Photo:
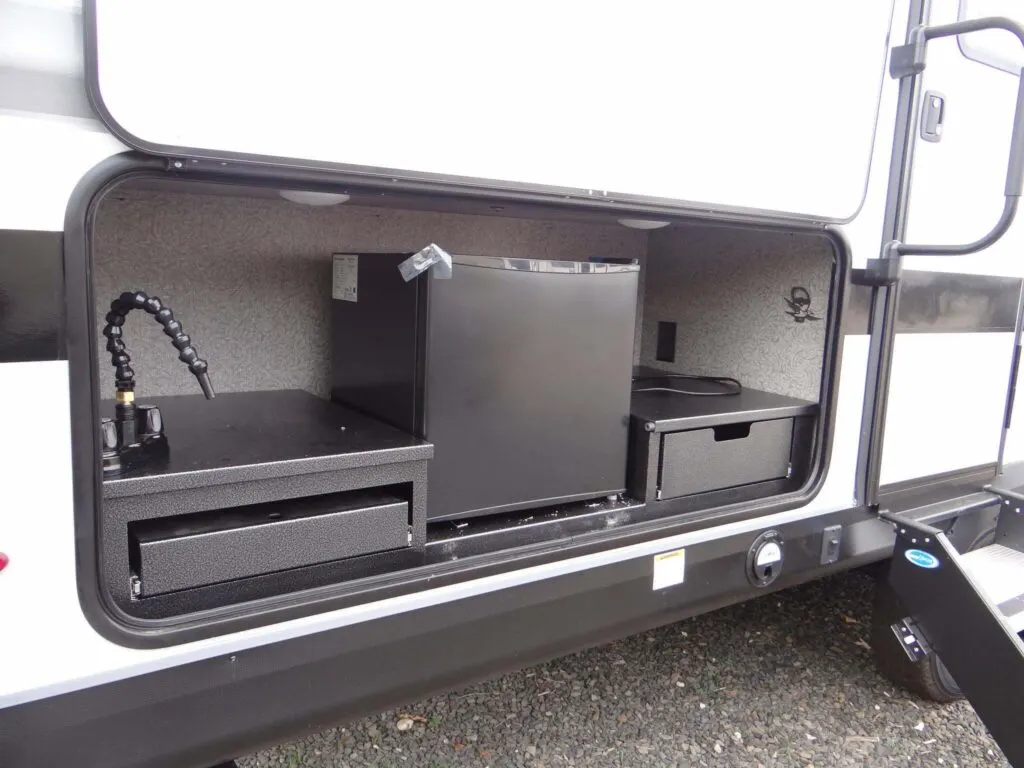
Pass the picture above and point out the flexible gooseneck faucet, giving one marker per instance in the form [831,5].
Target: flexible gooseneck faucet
[136,433]
[124,376]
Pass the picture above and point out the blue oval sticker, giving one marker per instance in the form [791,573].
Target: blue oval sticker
[921,559]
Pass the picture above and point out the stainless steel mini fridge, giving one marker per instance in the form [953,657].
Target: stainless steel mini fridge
[517,370]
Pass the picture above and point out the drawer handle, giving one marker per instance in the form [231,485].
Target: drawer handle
[732,432]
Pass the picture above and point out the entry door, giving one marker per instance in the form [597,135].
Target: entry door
[725,105]
[955,331]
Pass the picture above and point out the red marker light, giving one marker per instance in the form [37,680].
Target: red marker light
[4,560]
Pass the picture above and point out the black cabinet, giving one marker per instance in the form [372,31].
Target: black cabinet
[261,493]
[516,370]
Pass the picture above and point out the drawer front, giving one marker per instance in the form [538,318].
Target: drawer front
[722,457]
[210,557]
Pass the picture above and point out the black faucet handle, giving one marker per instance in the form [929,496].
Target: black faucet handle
[109,443]
[108,434]
[150,421]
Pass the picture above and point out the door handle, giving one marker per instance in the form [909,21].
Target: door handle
[908,61]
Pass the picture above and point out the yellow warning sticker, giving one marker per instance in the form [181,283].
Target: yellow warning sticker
[669,569]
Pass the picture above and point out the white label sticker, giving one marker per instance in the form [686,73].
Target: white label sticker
[669,569]
[770,553]
[346,278]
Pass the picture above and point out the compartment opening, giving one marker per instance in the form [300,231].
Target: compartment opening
[718,314]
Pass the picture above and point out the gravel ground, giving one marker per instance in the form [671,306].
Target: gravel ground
[786,680]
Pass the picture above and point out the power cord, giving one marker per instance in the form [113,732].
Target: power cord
[730,385]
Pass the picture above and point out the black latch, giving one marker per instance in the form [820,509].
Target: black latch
[878,273]
[885,270]
[909,637]
[908,59]
[831,544]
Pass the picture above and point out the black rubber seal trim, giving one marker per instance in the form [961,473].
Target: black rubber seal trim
[112,623]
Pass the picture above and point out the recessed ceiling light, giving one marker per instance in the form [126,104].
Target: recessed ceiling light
[643,223]
[313,198]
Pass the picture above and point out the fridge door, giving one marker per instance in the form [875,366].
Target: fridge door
[528,383]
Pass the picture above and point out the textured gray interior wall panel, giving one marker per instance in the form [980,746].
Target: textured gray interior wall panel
[250,279]
[731,292]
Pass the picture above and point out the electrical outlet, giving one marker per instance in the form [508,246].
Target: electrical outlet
[666,346]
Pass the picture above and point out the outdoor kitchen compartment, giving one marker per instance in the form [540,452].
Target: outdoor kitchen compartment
[686,445]
[257,484]
[517,370]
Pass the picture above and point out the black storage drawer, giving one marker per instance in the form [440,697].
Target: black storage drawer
[721,457]
[201,549]
[704,451]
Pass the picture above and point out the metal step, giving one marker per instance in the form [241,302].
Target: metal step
[964,609]
[998,572]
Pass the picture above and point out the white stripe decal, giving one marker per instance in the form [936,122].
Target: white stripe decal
[43,158]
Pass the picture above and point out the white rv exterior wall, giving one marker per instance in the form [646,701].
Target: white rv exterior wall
[43,156]
[950,389]
[774,110]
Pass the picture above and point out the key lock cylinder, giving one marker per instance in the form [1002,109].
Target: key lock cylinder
[765,559]
[135,434]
